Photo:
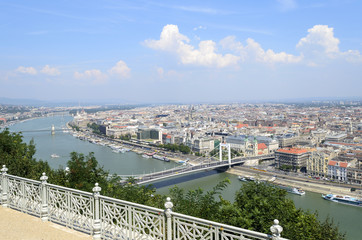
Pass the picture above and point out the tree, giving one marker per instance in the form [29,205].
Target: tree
[258,204]
[18,156]
[198,203]
[84,172]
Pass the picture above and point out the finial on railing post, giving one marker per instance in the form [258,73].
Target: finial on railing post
[44,199]
[276,229]
[96,219]
[168,214]
[4,187]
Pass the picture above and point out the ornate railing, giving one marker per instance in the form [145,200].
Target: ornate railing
[108,218]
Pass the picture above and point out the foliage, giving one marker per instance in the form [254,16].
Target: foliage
[125,137]
[176,147]
[84,172]
[197,203]
[258,204]
[18,156]
[94,127]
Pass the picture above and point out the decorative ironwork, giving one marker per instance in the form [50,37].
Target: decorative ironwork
[24,195]
[110,218]
[125,220]
[71,208]
[188,228]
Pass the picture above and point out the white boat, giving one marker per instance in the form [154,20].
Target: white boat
[293,190]
[54,155]
[146,156]
[246,179]
[343,199]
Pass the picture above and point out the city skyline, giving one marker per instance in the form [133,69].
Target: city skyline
[143,51]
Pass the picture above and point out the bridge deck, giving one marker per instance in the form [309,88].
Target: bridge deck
[197,168]
[16,225]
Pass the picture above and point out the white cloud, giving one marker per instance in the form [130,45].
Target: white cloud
[171,40]
[321,43]
[320,36]
[26,70]
[120,69]
[50,71]
[95,75]
[253,51]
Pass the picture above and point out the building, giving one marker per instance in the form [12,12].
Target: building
[317,164]
[294,157]
[203,145]
[354,175]
[287,140]
[337,170]
[336,137]
[148,134]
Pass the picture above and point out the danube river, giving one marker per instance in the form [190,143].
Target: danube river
[62,144]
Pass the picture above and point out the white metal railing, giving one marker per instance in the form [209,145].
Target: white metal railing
[109,218]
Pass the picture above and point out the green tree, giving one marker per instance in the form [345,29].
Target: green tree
[84,172]
[197,202]
[18,156]
[258,204]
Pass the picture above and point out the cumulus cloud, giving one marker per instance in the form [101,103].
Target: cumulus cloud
[252,51]
[26,70]
[50,71]
[316,47]
[320,37]
[171,40]
[321,43]
[95,75]
[120,69]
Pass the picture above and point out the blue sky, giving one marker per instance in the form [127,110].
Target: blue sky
[180,51]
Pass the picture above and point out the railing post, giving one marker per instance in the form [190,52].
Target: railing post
[96,218]
[4,186]
[44,199]
[276,229]
[168,214]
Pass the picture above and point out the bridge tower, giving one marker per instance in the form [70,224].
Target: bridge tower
[53,129]
[227,145]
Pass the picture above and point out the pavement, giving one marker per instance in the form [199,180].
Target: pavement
[16,225]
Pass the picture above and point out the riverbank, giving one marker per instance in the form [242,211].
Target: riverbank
[307,185]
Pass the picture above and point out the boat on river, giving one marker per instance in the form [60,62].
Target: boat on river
[246,179]
[343,199]
[293,190]
[161,158]
[54,155]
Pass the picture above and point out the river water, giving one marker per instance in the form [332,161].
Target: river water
[349,218]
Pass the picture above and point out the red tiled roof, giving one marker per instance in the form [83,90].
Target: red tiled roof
[343,164]
[262,146]
[292,150]
[242,125]
[120,126]
[332,163]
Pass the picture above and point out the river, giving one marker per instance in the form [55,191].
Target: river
[349,218]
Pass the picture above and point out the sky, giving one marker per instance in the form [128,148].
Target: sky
[180,51]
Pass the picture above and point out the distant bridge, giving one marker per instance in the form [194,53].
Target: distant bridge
[51,130]
[179,171]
